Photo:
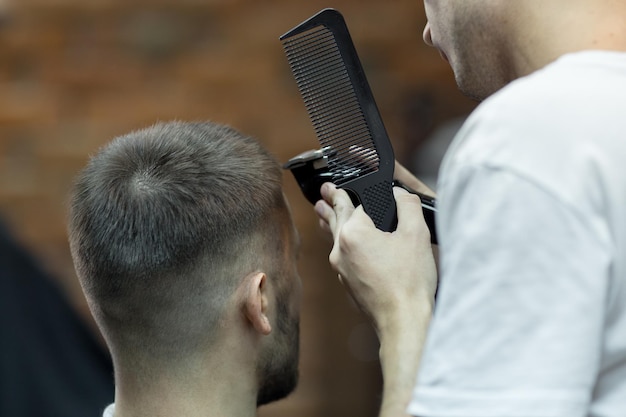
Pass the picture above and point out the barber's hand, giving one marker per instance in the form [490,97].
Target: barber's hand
[389,275]
[407,178]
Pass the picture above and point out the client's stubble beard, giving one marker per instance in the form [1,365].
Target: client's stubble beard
[278,372]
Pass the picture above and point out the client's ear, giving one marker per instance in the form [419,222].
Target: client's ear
[255,302]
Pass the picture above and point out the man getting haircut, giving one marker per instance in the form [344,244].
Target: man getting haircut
[185,248]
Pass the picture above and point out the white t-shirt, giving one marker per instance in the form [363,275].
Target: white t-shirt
[531,314]
[109,411]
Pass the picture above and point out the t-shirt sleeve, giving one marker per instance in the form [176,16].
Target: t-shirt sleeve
[519,315]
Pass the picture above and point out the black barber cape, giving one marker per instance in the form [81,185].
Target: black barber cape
[50,363]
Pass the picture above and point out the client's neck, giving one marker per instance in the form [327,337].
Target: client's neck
[218,387]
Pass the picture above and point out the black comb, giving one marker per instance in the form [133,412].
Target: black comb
[345,117]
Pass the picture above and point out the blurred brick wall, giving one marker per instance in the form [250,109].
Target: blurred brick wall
[75,73]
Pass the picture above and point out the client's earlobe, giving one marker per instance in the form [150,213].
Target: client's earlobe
[255,302]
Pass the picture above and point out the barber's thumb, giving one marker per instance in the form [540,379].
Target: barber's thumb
[327,190]
[409,207]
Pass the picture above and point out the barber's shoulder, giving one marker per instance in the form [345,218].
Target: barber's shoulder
[516,128]
[518,118]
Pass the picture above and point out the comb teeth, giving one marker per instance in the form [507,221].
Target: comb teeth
[332,104]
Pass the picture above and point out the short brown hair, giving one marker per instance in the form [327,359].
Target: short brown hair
[162,223]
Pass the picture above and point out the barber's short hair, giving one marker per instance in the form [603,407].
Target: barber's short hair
[164,222]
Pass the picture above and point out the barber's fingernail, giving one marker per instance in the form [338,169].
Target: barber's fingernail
[319,208]
[399,190]
[326,188]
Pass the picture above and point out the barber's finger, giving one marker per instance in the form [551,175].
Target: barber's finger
[366,156]
[326,215]
[409,209]
[410,180]
[324,226]
[340,202]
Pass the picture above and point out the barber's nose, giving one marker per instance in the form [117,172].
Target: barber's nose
[427,36]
